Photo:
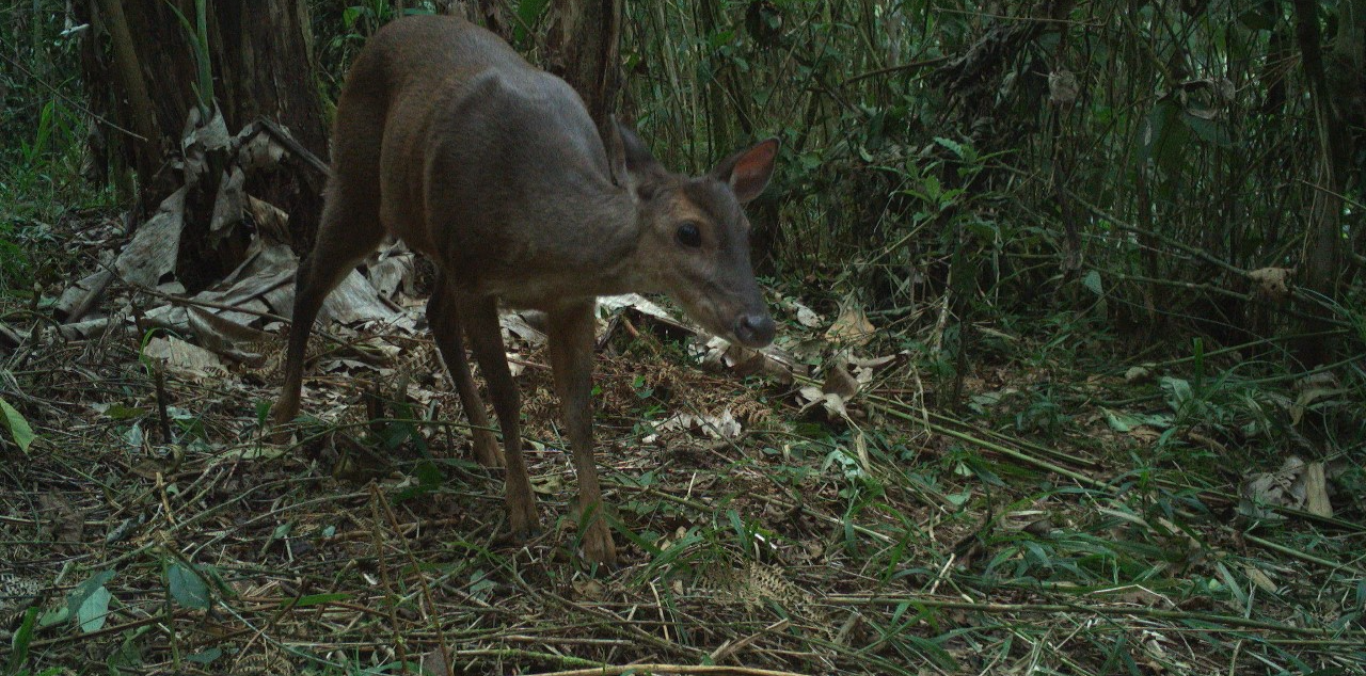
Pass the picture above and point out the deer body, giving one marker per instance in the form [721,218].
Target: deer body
[446,138]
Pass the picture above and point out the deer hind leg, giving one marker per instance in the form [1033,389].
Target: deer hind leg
[350,230]
[443,313]
[481,318]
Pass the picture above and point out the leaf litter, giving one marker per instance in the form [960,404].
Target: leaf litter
[884,537]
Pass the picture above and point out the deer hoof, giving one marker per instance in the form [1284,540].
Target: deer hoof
[486,450]
[525,522]
[598,547]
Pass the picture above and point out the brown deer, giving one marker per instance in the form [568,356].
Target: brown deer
[447,139]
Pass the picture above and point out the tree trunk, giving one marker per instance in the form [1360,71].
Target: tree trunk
[1322,256]
[582,47]
[262,66]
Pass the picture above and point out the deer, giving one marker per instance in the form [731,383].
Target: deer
[448,140]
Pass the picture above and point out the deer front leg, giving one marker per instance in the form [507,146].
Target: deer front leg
[444,316]
[480,317]
[571,357]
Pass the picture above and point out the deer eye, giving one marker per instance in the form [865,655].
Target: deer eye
[689,235]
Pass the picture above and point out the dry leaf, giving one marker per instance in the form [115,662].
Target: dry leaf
[1271,282]
[184,359]
[229,205]
[152,253]
[851,327]
[635,302]
[1062,87]
[838,381]
[832,403]
[272,223]
[1322,379]
[724,426]
[393,270]
[1297,484]
[588,588]
[1260,579]
[516,324]
[805,315]
[1307,397]
[1316,491]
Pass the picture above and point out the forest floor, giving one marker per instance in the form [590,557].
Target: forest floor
[1083,512]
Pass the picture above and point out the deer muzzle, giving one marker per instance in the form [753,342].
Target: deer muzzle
[754,329]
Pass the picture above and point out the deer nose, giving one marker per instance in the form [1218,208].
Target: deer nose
[754,330]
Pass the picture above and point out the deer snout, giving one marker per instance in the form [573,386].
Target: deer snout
[754,329]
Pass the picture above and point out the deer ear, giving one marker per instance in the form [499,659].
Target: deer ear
[748,171]
[616,152]
[630,151]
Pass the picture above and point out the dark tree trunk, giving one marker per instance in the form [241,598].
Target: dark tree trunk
[263,67]
[582,47]
[1322,257]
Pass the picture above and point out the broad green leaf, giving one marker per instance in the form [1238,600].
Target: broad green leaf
[206,656]
[1209,131]
[1178,391]
[77,597]
[93,612]
[16,424]
[187,587]
[1127,422]
[1161,139]
[1092,282]
[528,11]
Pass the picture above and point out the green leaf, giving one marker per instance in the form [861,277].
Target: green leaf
[16,424]
[1092,282]
[19,644]
[206,656]
[1178,391]
[528,11]
[94,611]
[121,412]
[720,39]
[954,146]
[349,16]
[934,652]
[1208,131]
[77,597]
[1126,422]
[1162,141]
[187,587]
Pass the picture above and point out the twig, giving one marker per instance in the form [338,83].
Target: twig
[376,497]
[892,69]
[283,136]
[79,310]
[730,648]
[192,302]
